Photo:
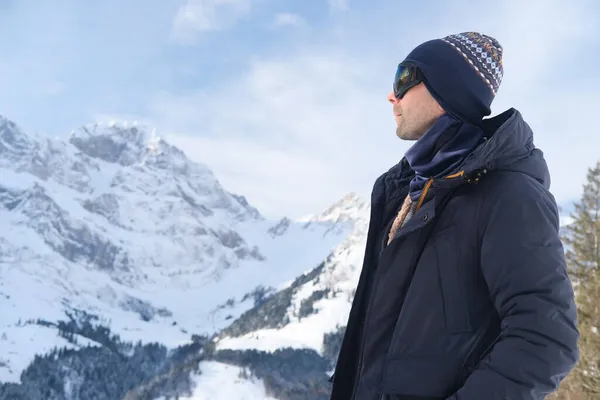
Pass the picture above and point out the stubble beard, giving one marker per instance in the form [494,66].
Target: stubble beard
[413,130]
[408,131]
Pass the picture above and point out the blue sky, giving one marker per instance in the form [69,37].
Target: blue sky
[286,100]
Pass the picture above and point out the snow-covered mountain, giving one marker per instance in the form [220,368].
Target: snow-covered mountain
[114,223]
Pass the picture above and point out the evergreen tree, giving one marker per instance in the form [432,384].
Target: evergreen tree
[582,238]
[588,371]
[583,234]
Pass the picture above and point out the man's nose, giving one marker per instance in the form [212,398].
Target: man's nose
[391,97]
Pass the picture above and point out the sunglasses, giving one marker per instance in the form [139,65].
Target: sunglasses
[407,76]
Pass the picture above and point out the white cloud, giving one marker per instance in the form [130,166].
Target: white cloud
[289,19]
[198,16]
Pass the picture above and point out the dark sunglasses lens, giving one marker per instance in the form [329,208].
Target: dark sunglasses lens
[402,75]
[403,80]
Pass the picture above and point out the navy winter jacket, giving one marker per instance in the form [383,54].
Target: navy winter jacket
[471,300]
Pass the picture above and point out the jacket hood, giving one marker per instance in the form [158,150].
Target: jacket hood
[508,147]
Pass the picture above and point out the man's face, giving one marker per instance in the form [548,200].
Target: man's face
[415,113]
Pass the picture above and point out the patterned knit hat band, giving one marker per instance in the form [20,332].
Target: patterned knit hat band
[483,53]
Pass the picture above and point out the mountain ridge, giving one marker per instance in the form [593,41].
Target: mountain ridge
[136,233]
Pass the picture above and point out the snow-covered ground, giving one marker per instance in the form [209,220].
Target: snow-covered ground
[219,381]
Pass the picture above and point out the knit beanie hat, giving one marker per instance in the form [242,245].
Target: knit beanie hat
[462,72]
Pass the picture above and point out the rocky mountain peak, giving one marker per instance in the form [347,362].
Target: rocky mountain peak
[14,143]
[127,144]
[349,208]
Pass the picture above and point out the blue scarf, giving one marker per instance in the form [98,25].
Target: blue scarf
[441,150]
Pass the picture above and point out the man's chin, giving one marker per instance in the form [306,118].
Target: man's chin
[403,135]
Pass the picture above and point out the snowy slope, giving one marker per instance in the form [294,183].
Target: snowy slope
[329,292]
[220,381]
[115,221]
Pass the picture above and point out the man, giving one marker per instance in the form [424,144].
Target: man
[464,292]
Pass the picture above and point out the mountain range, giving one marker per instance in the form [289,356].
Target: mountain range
[127,271]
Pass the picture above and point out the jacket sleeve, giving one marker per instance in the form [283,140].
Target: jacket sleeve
[523,264]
